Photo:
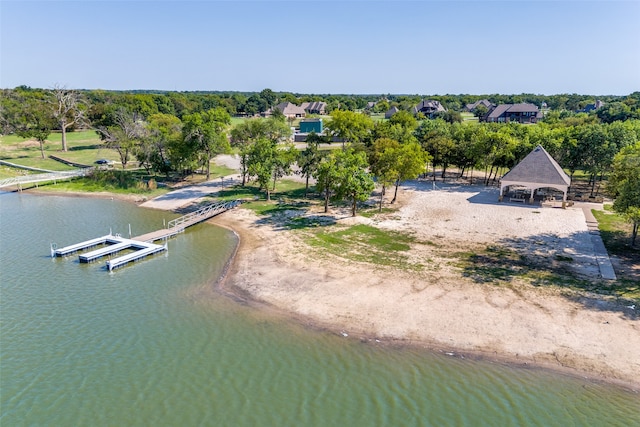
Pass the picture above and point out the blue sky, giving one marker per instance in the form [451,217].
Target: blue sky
[363,47]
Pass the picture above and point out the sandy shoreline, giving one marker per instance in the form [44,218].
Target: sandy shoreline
[439,310]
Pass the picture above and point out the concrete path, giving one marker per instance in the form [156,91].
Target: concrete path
[187,195]
[604,262]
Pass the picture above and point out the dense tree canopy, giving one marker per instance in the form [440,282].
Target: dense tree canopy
[625,184]
[206,134]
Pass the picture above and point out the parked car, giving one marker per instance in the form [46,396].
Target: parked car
[104,162]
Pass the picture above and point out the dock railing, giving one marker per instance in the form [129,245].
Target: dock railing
[203,214]
[43,177]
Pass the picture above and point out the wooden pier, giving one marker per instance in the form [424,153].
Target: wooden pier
[143,245]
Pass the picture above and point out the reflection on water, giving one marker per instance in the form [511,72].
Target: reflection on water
[142,346]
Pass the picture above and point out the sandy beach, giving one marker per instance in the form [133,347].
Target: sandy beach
[438,308]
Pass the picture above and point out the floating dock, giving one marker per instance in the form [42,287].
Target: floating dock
[78,246]
[114,244]
[142,245]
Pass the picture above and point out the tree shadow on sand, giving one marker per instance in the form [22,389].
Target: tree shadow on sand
[550,260]
[293,216]
[453,187]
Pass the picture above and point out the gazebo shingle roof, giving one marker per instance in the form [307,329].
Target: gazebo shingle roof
[538,168]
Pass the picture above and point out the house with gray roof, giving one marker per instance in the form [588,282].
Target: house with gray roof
[592,107]
[536,171]
[520,113]
[390,112]
[316,107]
[472,107]
[429,108]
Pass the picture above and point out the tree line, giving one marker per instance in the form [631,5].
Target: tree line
[100,103]
[172,133]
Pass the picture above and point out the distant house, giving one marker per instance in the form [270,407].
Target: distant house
[520,113]
[429,108]
[317,107]
[390,112]
[370,105]
[472,107]
[592,107]
[289,110]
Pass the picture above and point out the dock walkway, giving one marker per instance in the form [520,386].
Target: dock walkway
[602,256]
[18,181]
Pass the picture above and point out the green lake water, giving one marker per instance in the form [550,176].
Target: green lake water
[148,345]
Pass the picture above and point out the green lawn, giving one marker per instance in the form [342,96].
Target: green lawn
[616,235]
[85,147]
[364,243]
[237,120]
[469,117]
[113,181]
[40,163]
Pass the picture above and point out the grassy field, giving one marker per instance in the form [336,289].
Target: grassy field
[469,117]
[616,235]
[85,147]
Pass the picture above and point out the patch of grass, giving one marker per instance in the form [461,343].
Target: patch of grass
[364,243]
[615,231]
[469,117]
[113,181]
[285,190]
[38,162]
[85,147]
[371,212]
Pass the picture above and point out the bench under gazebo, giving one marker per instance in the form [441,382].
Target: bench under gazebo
[535,172]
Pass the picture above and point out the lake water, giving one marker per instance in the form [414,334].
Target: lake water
[150,345]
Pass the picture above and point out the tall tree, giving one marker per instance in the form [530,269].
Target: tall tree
[326,176]
[435,138]
[267,161]
[343,175]
[353,182]
[205,132]
[160,149]
[245,134]
[309,158]
[625,184]
[126,132]
[69,110]
[35,122]
[382,164]
[411,161]
[349,126]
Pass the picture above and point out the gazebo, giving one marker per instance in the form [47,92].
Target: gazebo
[537,170]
